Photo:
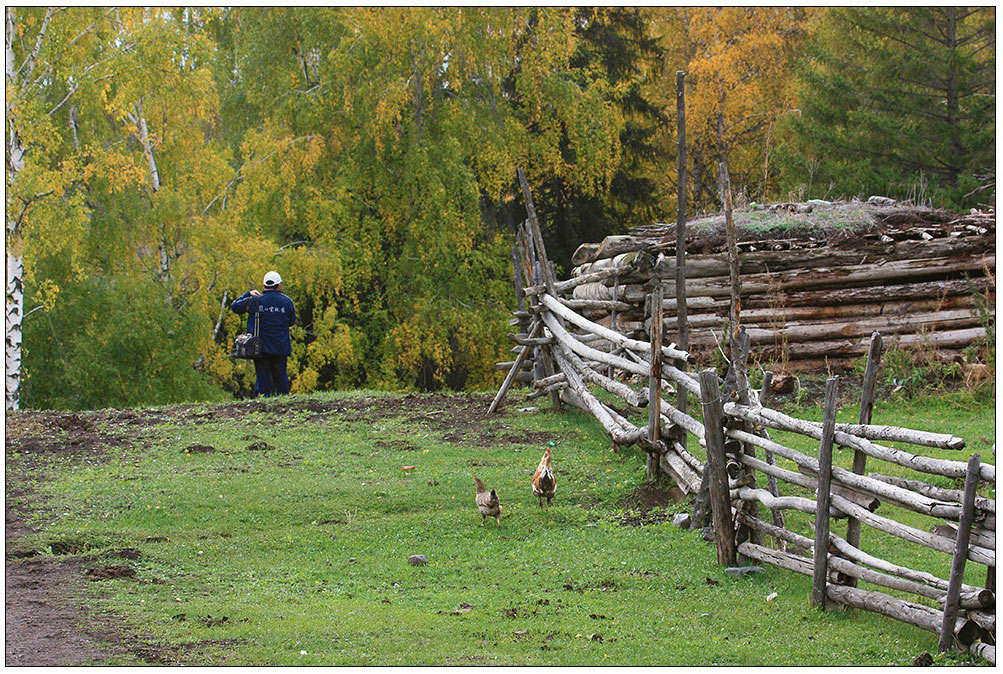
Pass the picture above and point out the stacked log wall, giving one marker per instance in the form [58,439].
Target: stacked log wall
[807,302]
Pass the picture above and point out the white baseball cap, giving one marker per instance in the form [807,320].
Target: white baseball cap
[272,279]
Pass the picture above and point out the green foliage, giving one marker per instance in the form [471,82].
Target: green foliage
[383,129]
[613,53]
[131,351]
[897,101]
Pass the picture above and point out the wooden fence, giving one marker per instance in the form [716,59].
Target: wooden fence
[745,471]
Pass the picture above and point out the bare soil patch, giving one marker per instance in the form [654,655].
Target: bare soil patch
[650,504]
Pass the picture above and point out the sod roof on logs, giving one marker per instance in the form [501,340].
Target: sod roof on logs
[817,223]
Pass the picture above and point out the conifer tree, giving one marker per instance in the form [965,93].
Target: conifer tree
[897,101]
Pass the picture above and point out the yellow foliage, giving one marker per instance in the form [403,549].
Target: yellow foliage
[737,65]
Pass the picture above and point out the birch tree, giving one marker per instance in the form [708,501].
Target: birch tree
[50,55]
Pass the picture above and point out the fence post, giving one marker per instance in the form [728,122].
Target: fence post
[546,272]
[520,299]
[739,364]
[951,603]
[771,482]
[866,407]
[821,552]
[715,468]
[682,318]
[655,382]
[613,317]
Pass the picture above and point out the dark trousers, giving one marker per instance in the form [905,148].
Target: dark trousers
[270,375]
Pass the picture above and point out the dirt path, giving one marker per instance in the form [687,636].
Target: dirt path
[44,622]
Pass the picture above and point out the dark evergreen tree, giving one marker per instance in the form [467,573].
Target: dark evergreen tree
[616,42]
[897,101]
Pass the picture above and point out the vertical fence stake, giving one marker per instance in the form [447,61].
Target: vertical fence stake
[613,317]
[716,468]
[682,318]
[866,407]
[771,481]
[821,552]
[546,271]
[951,603]
[655,381]
[520,299]
[740,364]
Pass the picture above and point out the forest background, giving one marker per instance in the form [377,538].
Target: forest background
[159,161]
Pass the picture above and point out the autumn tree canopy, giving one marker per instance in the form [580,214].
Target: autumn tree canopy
[160,160]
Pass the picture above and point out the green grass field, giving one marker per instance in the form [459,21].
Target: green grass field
[287,542]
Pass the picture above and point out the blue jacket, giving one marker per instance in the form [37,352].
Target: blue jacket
[277,314]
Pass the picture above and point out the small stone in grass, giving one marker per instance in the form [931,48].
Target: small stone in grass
[417,560]
[743,570]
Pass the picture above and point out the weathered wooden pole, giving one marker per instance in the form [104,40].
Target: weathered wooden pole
[951,604]
[724,184]
[515,369]
[532,267]
[744,392]
[866,408]
[682,318]
[520,298]
[823,496]
[537,233]
[546,271]
[771,481]
[655,382]
[715,469]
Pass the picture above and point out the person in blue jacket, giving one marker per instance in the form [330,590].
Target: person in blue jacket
[277,314]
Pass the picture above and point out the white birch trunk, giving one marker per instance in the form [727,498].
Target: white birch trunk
[14,295]
[139,119]
[14,311]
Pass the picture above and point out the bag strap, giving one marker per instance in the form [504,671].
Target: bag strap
[257,318]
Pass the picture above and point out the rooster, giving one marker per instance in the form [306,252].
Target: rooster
[487,502]
[544,481]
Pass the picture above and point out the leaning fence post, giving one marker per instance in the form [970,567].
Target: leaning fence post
[716,468]
[655,381]
[866,407]
[951,603]
[821,552]
[516,366]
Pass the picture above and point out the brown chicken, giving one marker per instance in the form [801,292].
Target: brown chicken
[487,502]
[544,480]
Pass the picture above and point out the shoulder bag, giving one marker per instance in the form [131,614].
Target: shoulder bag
[248,345]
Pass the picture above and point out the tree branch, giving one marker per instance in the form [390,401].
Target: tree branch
[29,63]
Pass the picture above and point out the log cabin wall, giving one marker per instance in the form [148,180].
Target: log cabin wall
[925,279]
